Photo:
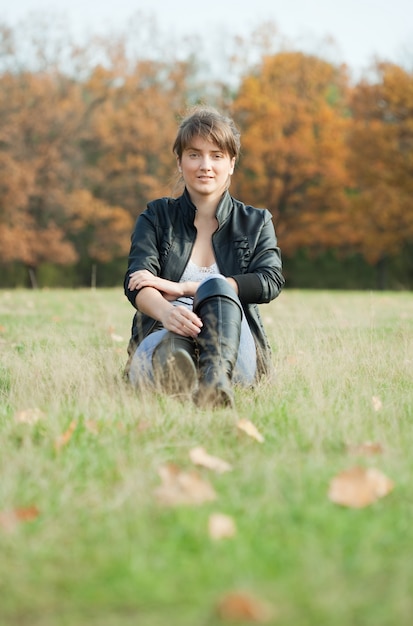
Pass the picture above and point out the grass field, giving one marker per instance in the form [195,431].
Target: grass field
[83,538]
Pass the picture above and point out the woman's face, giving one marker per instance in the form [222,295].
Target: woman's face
[205,169]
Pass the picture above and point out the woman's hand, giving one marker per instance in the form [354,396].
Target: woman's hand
[143,278]
[169,289]
[182,321]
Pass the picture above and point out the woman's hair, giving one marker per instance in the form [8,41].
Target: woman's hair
[209,124]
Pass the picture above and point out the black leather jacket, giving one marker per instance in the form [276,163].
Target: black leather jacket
[245,249]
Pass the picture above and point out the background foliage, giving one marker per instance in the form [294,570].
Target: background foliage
[86,135]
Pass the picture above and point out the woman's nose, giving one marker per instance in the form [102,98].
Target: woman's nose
[206,163]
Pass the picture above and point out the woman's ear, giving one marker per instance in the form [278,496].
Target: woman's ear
[178,162]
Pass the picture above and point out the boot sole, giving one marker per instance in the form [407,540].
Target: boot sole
[214,398]
[180,376]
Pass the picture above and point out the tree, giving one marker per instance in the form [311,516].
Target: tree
[381,164]
[128,142]
[38,118]
[291,111]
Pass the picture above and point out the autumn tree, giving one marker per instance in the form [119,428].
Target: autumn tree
[291,111]
[128,142]
[79,158]
[381,164]
[38,117]
[86,135]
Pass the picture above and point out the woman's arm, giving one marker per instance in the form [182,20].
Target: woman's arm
[177,319]
[264,280]
[169,289]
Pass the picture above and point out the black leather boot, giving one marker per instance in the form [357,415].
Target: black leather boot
[173,362]
[220,310]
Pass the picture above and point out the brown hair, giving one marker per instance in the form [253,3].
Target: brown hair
[209,124]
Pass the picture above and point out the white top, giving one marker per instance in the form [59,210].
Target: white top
[195,273]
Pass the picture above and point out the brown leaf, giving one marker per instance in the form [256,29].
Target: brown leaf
[199,456]
[64,439]
[116,337]
[358,487]
[368,448]
[377,403]
[221,526]
[239,606]
[142,426]
[180,487]
[248,427]
[10,519]
[28,416]
[92,426]
[113,335]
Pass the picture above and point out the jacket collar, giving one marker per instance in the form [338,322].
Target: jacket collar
[224,207]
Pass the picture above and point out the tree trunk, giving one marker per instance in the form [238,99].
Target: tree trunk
[33,278]
[381,268]
[93,277]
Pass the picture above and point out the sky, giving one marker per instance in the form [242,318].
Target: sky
[361,29]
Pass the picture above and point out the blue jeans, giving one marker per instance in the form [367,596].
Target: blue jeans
[141,372]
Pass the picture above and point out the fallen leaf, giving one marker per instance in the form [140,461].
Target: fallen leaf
[221,526]
[180,487]
[64,439]
[248,427]
[358,487]
[199,456]
[10,519]
[28,416]
[240,606]
[377,404]
[291,359]
[92,427]
[368,448]
[115,337]
[142,426]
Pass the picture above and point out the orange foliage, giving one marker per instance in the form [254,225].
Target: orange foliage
[291,114]
[80,158]
[381,162]
[105,230]
[78,161]
[130,136]
[40,115]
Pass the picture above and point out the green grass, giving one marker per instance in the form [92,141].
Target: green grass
[103,552]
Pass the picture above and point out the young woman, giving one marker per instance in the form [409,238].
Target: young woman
[198,267]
